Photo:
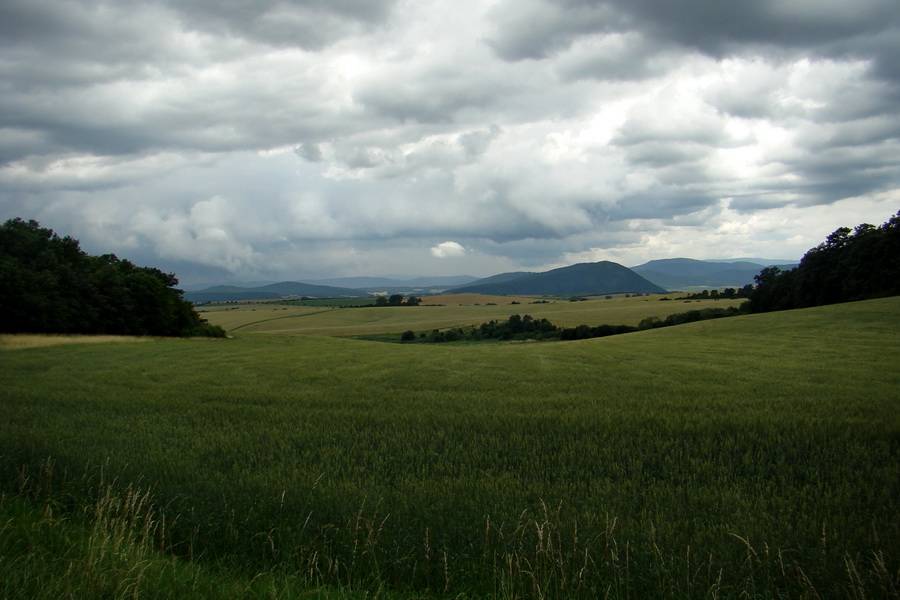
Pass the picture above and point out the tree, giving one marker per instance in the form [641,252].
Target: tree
[849,265]
[49,285]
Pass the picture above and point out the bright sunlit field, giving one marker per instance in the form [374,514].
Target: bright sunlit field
[755,456]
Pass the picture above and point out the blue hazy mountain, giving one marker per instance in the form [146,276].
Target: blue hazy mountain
[274,291]
[684,273]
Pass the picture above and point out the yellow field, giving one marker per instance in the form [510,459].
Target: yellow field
[235,316]
[472,299]
[440,312]
[10,341]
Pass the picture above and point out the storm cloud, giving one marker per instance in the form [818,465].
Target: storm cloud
[307,139]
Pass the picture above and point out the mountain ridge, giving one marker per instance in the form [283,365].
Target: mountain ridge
[686,273]
[274,291]
[602,277]
[661,274]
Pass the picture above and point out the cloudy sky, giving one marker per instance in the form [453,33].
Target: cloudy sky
[226,140]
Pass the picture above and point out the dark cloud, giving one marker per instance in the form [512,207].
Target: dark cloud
[537,29]
[534,29]
[337,137]
[723,28]
[661,154]
[433,95]
[307,24]
[309,151]
[475,143]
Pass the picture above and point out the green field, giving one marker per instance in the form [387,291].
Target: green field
[273,318]
[750,457]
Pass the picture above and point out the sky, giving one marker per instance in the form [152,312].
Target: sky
[225,140]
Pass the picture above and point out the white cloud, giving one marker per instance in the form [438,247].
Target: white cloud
[306,139]
[447,250]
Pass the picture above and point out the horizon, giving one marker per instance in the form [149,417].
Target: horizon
[297,140]
[405,279]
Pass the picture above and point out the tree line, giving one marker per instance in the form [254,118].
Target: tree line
[518,327]
[395,300]
[726,294]
[48,284]
[849,265]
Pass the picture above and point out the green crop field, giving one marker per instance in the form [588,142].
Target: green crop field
[750,457]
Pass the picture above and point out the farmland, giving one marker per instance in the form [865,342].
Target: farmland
[440,312]
[754,456]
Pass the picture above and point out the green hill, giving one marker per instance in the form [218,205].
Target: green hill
[603,277]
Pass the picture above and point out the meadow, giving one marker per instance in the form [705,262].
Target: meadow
[442,312]
[751,457]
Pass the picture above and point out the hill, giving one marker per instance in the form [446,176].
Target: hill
[493,279]
[686,273]
[386,283]
[228,293]
[603,277]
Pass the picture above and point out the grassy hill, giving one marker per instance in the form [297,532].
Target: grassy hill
[582,279]
[752,457]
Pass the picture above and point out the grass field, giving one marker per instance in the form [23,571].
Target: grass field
[750,457]
[440,312]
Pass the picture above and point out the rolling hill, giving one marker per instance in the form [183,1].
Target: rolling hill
[386,283]
[656,276]
[228,293]
[687,273]
[603,277]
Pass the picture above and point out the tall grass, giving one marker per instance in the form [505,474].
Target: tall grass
[748,457]
[112,542]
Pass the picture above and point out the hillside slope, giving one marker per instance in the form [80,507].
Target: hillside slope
[228,293]
[603,277]
[682,273]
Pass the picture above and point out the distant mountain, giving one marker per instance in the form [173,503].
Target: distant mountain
[440,281]
[582,279]
[229,293]
[493,279]
[686,273]
[367,283]
[605,277]
[196,287]
[760,261]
